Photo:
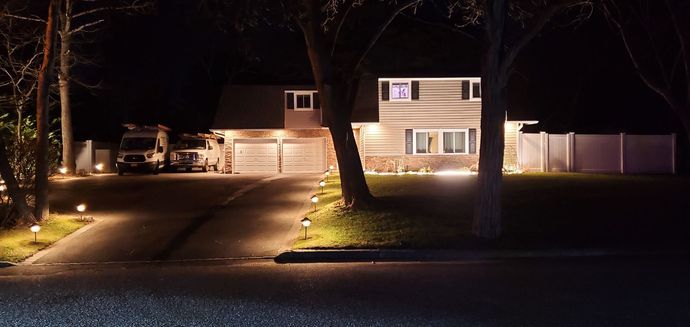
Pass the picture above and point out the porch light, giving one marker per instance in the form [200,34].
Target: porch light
[322,183]
[305,222]
[35,228]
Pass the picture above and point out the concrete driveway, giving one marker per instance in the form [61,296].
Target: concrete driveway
[179,216]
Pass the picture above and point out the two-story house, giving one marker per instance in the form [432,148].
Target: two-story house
[399,124]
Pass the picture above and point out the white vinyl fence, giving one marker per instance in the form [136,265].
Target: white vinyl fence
[89,153]
[597,153]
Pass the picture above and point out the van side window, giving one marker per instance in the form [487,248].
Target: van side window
[210,147]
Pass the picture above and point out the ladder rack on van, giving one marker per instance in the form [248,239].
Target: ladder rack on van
[198,136]
[135,127]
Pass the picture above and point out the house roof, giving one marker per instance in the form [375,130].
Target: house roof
[263,107]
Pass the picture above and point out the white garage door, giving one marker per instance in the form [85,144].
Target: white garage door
[306,155]
[255,156]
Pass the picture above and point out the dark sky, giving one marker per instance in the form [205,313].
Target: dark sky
[169,66]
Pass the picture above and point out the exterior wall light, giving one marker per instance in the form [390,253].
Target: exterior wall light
[305,222]
[322,183]
[35,228]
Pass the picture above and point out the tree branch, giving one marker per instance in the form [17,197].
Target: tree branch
[132,7]
[82,28]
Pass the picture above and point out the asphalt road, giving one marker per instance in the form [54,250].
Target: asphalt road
[564,292]
[179,216]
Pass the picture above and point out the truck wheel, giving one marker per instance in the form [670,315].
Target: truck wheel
[205,167]
[120,171]
[155,169]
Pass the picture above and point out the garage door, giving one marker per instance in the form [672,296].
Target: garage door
[305,155]
[255,156]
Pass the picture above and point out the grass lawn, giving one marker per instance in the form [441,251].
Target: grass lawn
[18,244]
[540,211]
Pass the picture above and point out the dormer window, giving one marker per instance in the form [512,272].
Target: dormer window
[302,100]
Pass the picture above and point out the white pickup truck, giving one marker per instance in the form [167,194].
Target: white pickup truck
[196,151]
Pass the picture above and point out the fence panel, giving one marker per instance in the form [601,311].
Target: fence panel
[530,152]
[597,153]
[558,155]
[649,154]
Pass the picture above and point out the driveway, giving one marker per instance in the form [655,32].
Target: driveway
[179,216]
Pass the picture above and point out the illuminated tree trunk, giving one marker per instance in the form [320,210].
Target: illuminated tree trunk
[42,107]
[64,83]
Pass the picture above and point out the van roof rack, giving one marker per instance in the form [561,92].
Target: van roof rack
[198,136]
[137,127]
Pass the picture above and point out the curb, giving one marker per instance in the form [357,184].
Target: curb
[383,255]
[40,254]
[5,264]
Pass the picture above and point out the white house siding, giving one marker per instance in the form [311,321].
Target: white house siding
[440,105]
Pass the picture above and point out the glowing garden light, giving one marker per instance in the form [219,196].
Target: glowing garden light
[328,173]
[99,167]
[62,170]
[305,222]
[322,183]
[81,208]
[314,200]
[35,228]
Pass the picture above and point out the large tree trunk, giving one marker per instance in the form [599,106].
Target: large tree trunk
[487,217]
[45,75]
[14,190]
[68,160]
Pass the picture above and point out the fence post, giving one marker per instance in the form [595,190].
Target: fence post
[568,152]
[543,151]
[673,153]
[519,151]
[622,152]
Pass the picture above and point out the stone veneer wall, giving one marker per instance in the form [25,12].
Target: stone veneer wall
[417,162]
[278,133]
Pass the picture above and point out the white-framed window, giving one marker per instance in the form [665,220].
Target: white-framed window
[475,89]
[440,141]
[400,90]
[302,100]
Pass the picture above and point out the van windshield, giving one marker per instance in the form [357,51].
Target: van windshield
[191,144]
[138,143]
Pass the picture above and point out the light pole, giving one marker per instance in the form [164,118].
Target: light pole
[322,183]
[81,208]
[35,228]
[305,222]
[314,200]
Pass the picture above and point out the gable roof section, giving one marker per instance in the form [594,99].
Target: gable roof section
[263,107]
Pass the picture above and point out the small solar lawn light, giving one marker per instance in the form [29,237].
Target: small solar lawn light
[99,167]
[328,173]
[62,170]
[35,228]
[305,222]
[81,208]
[322,183]
[314,200]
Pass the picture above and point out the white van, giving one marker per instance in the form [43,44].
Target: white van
[143,148]
[197,150]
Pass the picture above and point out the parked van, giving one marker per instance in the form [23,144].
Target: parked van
[143,148]
[196,150]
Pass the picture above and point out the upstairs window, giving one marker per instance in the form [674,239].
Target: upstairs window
[400,91]
[302,100]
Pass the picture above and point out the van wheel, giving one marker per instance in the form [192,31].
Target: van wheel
[215,167]
[205,167]
[155,169]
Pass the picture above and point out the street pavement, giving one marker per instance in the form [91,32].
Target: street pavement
[179,216]
[604,291]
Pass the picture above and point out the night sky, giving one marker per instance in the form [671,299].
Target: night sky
[169,67]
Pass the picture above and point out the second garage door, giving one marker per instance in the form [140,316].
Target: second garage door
[305,155]
[255,156]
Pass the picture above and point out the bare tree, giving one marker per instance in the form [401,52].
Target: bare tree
[509,26]
[20,43]
[14,190]
[78,18]
[339,34]
[45,77]
[656,36]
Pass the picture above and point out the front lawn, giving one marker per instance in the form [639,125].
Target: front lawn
[18,244]
[540,211]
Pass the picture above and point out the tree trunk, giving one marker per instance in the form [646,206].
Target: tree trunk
[68,160]
[487,217]
[13,190]
[45,75]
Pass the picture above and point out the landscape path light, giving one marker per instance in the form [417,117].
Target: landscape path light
[314,200]
[81,208]
[35,228]
[328,173]
[322,183]
[305,222]
[99,167]
[62,170]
